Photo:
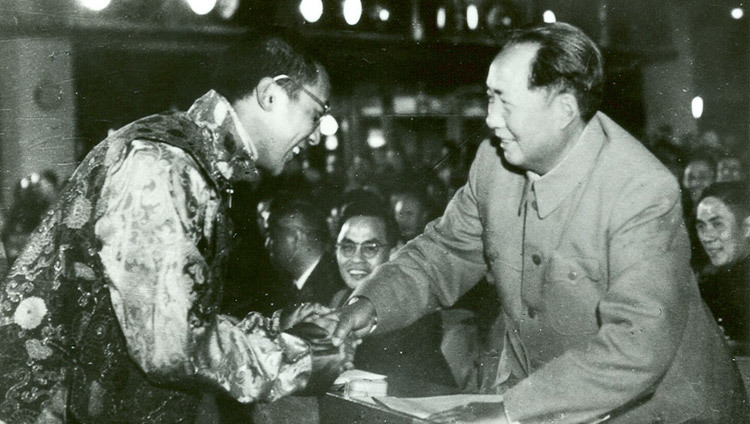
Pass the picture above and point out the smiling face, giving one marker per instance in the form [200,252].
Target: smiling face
[290,122]
[724,239]
[362,233]
[522,117]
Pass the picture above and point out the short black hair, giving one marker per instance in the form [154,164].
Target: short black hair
[567,61]
[267,51]
[734,194]
[704,155]
[370,205]
[305,211]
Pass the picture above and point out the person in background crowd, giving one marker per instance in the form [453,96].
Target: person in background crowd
[110,312]
[33,195]
[731,168]
[582,230]
[411,210]
[723,226]
[299,247]
[411,355]
[699,173]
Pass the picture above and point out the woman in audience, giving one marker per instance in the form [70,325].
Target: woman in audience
[723,227]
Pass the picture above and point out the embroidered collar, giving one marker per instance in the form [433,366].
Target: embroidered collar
[214,113]
[555,186]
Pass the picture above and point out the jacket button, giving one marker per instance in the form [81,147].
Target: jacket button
[536,259]
[532,313]
[572,275]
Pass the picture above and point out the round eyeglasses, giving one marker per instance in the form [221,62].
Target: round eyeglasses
[369,249]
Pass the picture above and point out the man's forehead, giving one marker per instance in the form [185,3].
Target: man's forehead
[363,227]
[512,64]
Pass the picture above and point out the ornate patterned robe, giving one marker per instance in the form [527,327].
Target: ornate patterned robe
[109,314]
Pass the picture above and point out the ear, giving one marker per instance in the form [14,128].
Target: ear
[566,109]
[267,93]
[746,227]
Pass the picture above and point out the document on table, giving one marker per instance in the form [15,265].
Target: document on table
[423,407]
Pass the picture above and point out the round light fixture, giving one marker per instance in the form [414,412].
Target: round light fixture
[311,10]
[328,125]
[202,7]
[95,5]
[549,17]
[352,11]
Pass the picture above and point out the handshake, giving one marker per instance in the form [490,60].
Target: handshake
[316,324]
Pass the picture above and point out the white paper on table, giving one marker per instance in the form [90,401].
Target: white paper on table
[350,375]
[423,407]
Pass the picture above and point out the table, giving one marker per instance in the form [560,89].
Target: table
[336,408]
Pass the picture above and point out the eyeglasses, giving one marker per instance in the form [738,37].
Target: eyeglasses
[326,107]
[369,249]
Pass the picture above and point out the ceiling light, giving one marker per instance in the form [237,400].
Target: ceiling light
[738,13]
[352,11]
[328,125]
[549,16]
[441,17]
[311,10]
[472,17]
[227,8]
[384,14]
[332,142]
[95,5]
[697,107]
[202,7]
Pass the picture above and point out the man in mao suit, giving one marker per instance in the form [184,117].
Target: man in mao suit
[581,228]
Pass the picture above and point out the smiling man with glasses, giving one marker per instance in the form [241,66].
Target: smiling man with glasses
[135,298]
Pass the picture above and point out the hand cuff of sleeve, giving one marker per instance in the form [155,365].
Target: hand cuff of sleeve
[352,301]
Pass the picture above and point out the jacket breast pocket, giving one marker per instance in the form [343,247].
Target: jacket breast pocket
[571,292]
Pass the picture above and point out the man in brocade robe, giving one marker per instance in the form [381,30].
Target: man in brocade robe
[110,312]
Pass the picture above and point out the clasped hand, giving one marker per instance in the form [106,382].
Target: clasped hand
[315,324]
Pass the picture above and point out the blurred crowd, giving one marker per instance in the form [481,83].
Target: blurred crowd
[316,231]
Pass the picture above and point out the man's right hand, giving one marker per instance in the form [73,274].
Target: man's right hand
[355,320]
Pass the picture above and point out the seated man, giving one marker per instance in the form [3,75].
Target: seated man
[298,242]
[413,354]
[723,227]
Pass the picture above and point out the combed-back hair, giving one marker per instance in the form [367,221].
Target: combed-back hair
[734,194]
[267,51]
[364,203]
[568,61]
[300,211]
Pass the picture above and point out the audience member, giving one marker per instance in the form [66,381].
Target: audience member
[412,211]
[33,195]
[110,312]
[299,247]
[411,355]
[723,226]
[731,168]
[700,172]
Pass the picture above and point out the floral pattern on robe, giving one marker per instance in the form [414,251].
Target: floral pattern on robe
[110,313]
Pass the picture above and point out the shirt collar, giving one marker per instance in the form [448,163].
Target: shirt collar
[300,282]
[214,111]
[556,185]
